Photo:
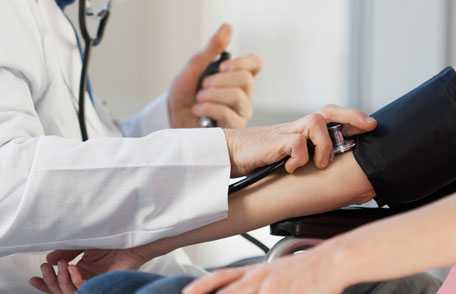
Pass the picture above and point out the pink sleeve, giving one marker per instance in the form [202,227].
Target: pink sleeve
[449,286]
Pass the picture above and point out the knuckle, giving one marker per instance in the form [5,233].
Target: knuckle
[258,60]
[315,119]
[359,114]
[247,77]
[201,95]
[328,110]
[239,94]
[225,114]
[299,125]
[196,58]
[208,109]
[218,43]
[240,99]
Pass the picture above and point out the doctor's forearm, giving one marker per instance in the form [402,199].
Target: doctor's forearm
[309,191]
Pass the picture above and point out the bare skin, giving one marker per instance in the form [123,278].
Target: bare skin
[410,242]
[280,197]
[225,97]
[275,198]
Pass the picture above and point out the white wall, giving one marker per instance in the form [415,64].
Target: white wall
[451,32]
[304,44]
[351,52]
[147,42]
[306,48]
[404,45]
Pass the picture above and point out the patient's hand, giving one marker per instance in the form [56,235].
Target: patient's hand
[314,271]
[93,262]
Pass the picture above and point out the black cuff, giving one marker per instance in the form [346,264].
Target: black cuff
[412,153]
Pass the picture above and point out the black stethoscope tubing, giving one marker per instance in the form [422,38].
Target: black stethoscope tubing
[89,43]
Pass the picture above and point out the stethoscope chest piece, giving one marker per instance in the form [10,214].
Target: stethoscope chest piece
[340,143]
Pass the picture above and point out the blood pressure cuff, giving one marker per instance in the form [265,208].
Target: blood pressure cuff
[410,159]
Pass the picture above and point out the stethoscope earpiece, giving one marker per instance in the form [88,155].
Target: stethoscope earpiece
[97,13]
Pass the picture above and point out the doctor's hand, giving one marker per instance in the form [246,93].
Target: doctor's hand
[225,97]
[69,278]
[253,148]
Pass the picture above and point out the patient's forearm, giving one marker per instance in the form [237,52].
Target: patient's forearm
[398,247]
[279,197]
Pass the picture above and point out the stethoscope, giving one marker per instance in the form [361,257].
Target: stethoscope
[340,143]
[102,15]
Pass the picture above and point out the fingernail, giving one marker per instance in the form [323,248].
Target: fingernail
[324,163]
[371,120]
[289,169]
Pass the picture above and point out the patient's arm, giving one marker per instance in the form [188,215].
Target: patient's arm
[394,160]
[389,249]
[279,197]
[420,240]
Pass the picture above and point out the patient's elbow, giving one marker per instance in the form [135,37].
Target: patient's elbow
[364,197]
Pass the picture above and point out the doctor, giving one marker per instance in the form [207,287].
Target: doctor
[120,192]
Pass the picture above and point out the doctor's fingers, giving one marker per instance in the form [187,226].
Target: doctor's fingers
[355,121]
[234,98]
[64,279]
[216,45]
[49,283]
[222,114]
[251,63]
[39,284]
[310,131]
[66,255]
[60,283]
[232,79]
[298,152]
[52,283]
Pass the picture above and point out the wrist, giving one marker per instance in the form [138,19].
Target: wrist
[173,118]
[340,259]
[156,249]
[229,138]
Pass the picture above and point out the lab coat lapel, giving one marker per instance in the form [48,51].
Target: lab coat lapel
[69,59]
[64,46]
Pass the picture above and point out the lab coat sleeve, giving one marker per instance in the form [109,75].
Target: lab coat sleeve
[154,117]
[59,193]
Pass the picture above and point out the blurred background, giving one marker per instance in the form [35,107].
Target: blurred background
[360,53]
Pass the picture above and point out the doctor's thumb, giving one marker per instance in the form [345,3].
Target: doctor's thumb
[217,44]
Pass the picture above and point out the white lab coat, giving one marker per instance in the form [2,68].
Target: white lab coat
[110,192]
